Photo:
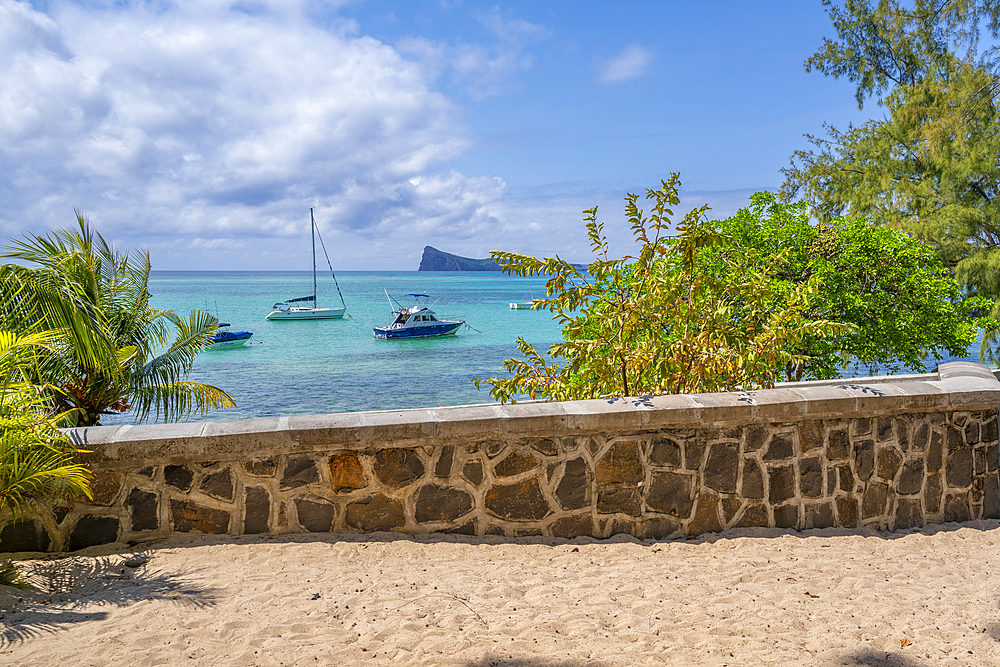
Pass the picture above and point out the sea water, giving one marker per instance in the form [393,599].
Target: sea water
[322,366]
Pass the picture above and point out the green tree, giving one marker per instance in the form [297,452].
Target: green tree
[115,352]
[659,322]
[930,164]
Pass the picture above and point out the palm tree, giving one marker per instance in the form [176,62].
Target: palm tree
[115,352]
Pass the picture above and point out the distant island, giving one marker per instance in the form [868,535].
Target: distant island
[435,260]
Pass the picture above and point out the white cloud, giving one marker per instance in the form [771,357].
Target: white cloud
[629,64]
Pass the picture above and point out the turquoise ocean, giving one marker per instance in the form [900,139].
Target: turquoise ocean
[315,367]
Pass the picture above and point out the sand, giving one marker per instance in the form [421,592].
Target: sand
[764,597]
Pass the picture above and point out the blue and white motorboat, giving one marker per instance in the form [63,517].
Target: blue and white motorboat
[224,338]
[416,321]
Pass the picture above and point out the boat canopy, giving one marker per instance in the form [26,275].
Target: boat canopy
[419,296]
[302,298]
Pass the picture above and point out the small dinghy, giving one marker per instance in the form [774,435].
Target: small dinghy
[416,321]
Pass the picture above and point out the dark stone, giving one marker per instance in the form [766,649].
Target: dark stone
[753,480]
[845,478]
[979,459]
[838,445]
[190,517]
[819,516]
[903,435]
[143,509]
[467,528]
[992,461]
[346,473]
[105,486]
[665,452]
[873,502]
[397,468]
[811,477]
[256,510]
[912,478]
[954,438]
[921,434]
[959,467]
[299,471]
[90,531]
[864,459]
[782,484]
[315,517]
[621,464]
[780,447]
[810,435]
[755,437]
[706,515]
[573,491]
[147,472]
[722,469]
[522,501]
[754,516]
[786,516]
[934,451]
[888,462]
[991,497]
[731,433]
[694,452]
[959,418]
[544,446]
[659,528]
[261,467]
[670,493]
[219,485]
[972,433]
[884,429]
[932,493]
[443,468]
[441,503]
[621,526]
[989,433]
[24,536]
[573,526]
[515,464]
[730,508]
[179,477]
[619,500]
[493,529]
[473,471]
[908,514]
[847,511]
[862,426]
[956,507]
[378,512]
[494,447]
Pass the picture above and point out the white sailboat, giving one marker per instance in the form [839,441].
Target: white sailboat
[285,311]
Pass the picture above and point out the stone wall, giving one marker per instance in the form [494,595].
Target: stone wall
[874,452]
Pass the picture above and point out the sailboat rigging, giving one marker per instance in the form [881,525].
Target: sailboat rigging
[284,311]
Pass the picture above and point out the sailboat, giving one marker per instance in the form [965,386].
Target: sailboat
[285,311]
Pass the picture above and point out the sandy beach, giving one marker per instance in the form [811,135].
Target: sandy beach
[757,597]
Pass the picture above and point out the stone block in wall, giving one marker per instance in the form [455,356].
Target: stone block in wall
[706,515]
[786,516]
[864,459]
[518,502]
[908,514]
[261,467]
[754,516]
[514,463]
[346,473]
[218,485]
[887,463]
[723,467]
[621,464]
[473,472]
[811,477]
[874,501]
[573,491]
[884,429]
[143,510]
[665,451]
[442,469]
[921,436]
[441,503]
[619,499]
[934,450]
[819,515]
[810,435]
[25,535]
[754,437]
[989,432]
[299,471]
[671,493]
[544,446]
[191,517]
[960,466]
[932,493]
[861,426]
[178,476]
[847,512]
[379,512]
[991,497]
[659,527]
[781,483]
[91,531]
[752,483]
[838,446]
[398,467]
[315,516]
[573,526]
[694,453]
[256,510]
[780,447]
[106,486]
[956,507]
[971,433]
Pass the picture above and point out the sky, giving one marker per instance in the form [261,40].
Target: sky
[204,130]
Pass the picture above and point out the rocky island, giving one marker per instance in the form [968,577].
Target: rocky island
[436,260]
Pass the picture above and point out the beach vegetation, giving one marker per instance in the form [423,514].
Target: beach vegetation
[113,351]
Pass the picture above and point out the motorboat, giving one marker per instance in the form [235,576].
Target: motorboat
[284,310]
[224,338]
[521,305]
[416,321]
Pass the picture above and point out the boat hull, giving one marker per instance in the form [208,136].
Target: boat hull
[429,331]
[522,305]
[222,341]
[307,314]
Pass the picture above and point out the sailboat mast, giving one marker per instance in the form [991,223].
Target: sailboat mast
[312,220]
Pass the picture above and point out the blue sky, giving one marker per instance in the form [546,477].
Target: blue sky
[204,130]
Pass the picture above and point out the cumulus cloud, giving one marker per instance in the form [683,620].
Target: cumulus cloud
[208,125]
[631,63]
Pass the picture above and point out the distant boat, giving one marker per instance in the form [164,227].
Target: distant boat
[521,305]
[284,311]
[416,321]
[225,338]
